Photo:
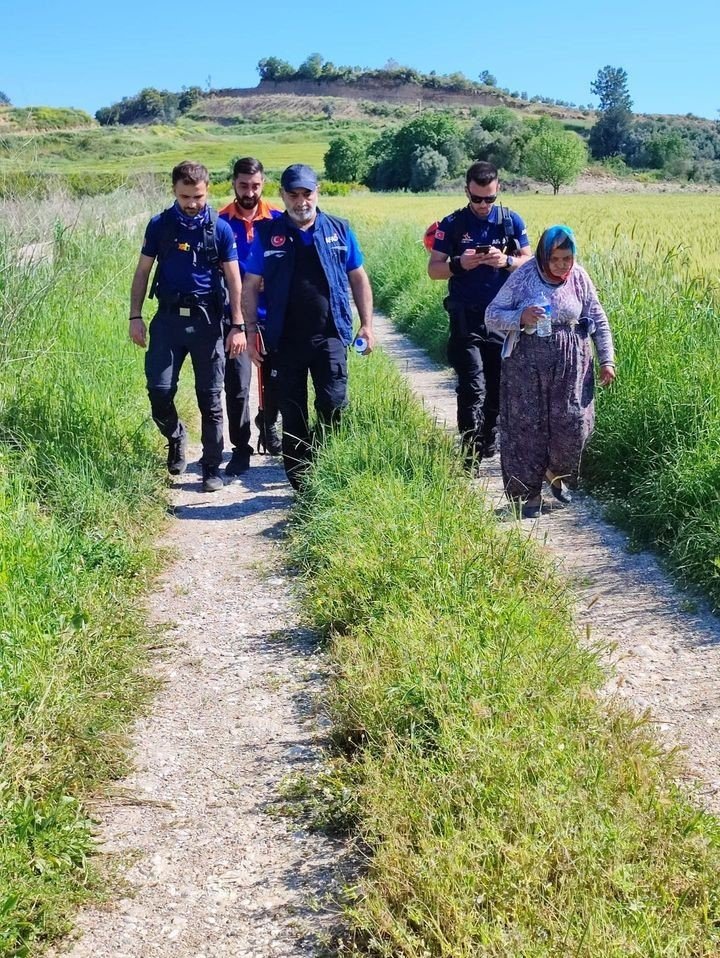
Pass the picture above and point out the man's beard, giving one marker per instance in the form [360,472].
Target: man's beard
[247,202]
[301,218]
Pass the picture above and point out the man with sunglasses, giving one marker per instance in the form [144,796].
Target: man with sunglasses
[475,249]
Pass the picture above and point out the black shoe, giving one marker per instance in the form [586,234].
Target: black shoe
[273,443]
[177,455]
[490,443]
[269,439]
[211,479]
[558,488]
[489,448]
[532,508]
[239,463]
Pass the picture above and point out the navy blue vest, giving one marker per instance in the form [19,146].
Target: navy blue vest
[278,243]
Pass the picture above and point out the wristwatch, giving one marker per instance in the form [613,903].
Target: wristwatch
[240,326]
[510,262]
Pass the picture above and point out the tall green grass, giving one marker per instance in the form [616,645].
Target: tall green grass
[80,496]
[505,809]
[653,458]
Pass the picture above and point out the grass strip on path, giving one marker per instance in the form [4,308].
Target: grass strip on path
[81,496]
[507,809]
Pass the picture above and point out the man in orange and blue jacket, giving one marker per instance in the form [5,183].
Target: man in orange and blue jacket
[242,214]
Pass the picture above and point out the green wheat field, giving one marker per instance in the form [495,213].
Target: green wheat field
[505,809]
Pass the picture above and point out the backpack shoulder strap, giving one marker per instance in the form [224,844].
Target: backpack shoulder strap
[165,244]
[210,239]
[508,225]
[456,230]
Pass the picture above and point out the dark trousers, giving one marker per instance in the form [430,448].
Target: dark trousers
[238,375]
[476,360]
[172,339]
[324,358]
[238,379]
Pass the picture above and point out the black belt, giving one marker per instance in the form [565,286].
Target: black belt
[187,307]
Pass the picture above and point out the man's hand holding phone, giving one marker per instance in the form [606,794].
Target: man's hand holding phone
[482,255]
[491,256]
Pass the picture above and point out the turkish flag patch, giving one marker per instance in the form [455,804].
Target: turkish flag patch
[278,240]
[439,234]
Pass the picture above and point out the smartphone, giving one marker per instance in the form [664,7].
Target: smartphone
[483,249]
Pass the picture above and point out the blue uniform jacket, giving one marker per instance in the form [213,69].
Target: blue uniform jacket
[278,245]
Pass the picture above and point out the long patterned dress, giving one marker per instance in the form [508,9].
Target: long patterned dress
[547,409]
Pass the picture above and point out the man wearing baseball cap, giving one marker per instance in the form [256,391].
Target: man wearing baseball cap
[305,260]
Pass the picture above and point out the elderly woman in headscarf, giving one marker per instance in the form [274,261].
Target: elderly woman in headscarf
[550,313]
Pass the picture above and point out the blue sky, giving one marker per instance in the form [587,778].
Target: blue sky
[90,54]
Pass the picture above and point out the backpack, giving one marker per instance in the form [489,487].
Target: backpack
[456,232]
[166,242]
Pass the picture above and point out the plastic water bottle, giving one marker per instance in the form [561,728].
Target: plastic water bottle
[544,324]
[360,345]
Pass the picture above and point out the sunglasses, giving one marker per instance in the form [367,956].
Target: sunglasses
[482,199]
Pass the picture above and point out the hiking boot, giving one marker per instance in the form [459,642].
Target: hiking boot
[269,438]
[532,507]
[211,479]
[177,455]
[273,442]
[239,463]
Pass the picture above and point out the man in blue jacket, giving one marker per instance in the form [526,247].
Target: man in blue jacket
[197,260]
[306,259]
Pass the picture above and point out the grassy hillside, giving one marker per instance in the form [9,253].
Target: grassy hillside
[156,149]
[34,118]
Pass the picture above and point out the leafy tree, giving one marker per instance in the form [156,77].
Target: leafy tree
[394,150]
[427,169]
[499,119]
[667,151]
[189,97]
[148,106]
[555,156]
[479,142]
[499,137]
[487,78]
[311,68]
[329,71]
[609,134]
[347,159]
[611,87]
[4,99]
[273,68]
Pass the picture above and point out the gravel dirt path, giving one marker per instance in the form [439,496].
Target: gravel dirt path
[664,646]
[208,869]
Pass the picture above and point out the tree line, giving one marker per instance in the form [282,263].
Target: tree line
[434,147]
[149,106]
[316,68]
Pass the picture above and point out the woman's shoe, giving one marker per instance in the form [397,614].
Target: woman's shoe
[532,508]
[558,488]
